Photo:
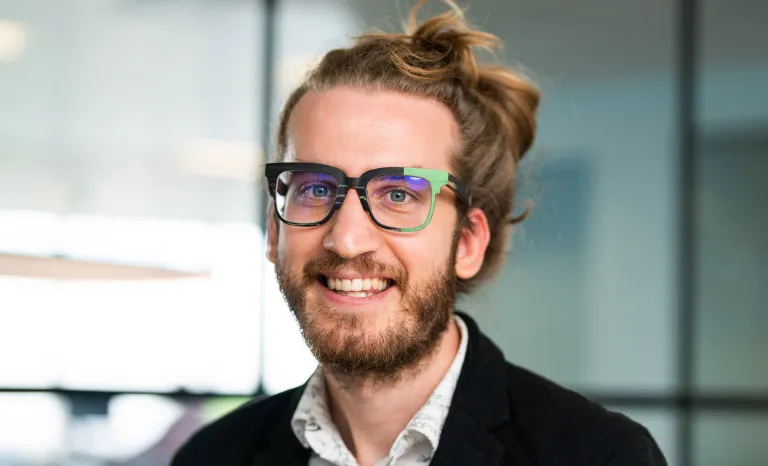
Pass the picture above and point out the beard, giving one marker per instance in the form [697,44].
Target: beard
[345,342]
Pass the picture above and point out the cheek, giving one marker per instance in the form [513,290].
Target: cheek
[297,246]
[424,252]
[437,237]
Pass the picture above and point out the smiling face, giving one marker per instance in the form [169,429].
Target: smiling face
[370,300]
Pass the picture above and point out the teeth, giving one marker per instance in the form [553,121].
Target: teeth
[357,285]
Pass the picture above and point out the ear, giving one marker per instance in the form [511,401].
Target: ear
[472,244]
[273,229]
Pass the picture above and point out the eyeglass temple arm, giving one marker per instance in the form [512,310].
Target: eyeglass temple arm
[460,189]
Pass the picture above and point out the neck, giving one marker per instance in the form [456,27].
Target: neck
[371,413]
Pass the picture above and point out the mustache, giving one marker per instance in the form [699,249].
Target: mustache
[363,264]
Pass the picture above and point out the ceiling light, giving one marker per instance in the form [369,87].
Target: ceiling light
[13,40]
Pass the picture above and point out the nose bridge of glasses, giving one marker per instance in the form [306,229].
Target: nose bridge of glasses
[343,190]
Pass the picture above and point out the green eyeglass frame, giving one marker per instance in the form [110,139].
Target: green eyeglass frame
[436,178]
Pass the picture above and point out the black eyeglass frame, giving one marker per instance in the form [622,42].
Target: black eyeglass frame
[436,178]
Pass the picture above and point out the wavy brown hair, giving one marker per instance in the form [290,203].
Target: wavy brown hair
[495,107]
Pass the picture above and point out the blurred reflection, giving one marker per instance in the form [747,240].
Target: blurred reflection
[129,135]
[157,335]
[136,430]
[32,428]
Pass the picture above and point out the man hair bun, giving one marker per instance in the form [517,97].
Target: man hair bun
[438,48]
[441,49]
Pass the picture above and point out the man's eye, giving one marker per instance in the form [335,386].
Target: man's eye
[317,190]
[398,196]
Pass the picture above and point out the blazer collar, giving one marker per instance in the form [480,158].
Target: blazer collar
[284,447]
[480,404]
[482,386]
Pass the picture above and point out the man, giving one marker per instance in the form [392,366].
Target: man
[391,194]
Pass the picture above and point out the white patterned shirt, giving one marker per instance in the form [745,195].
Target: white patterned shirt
[415,445]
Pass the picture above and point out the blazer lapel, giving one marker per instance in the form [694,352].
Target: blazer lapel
[287,452]
[479,405]
[464,441]
[284,448]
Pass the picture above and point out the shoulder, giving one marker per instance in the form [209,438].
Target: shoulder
[235,437]
[540,422]
[566,426]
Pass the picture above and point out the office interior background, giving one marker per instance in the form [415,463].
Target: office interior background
[136,303]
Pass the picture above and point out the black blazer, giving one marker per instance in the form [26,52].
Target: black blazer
[501,414]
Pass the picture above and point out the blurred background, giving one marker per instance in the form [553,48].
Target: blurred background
[136,303]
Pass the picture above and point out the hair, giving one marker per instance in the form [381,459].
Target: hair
[494,106]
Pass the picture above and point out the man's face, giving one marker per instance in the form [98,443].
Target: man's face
[408,279]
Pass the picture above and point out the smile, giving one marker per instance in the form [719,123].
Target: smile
[356,287]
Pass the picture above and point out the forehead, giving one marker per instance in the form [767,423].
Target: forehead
[357,130]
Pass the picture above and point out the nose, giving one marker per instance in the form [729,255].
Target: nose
[352,232]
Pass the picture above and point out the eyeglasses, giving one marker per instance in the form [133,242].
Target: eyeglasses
[396,198]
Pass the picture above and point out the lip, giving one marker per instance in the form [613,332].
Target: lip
[353,301]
